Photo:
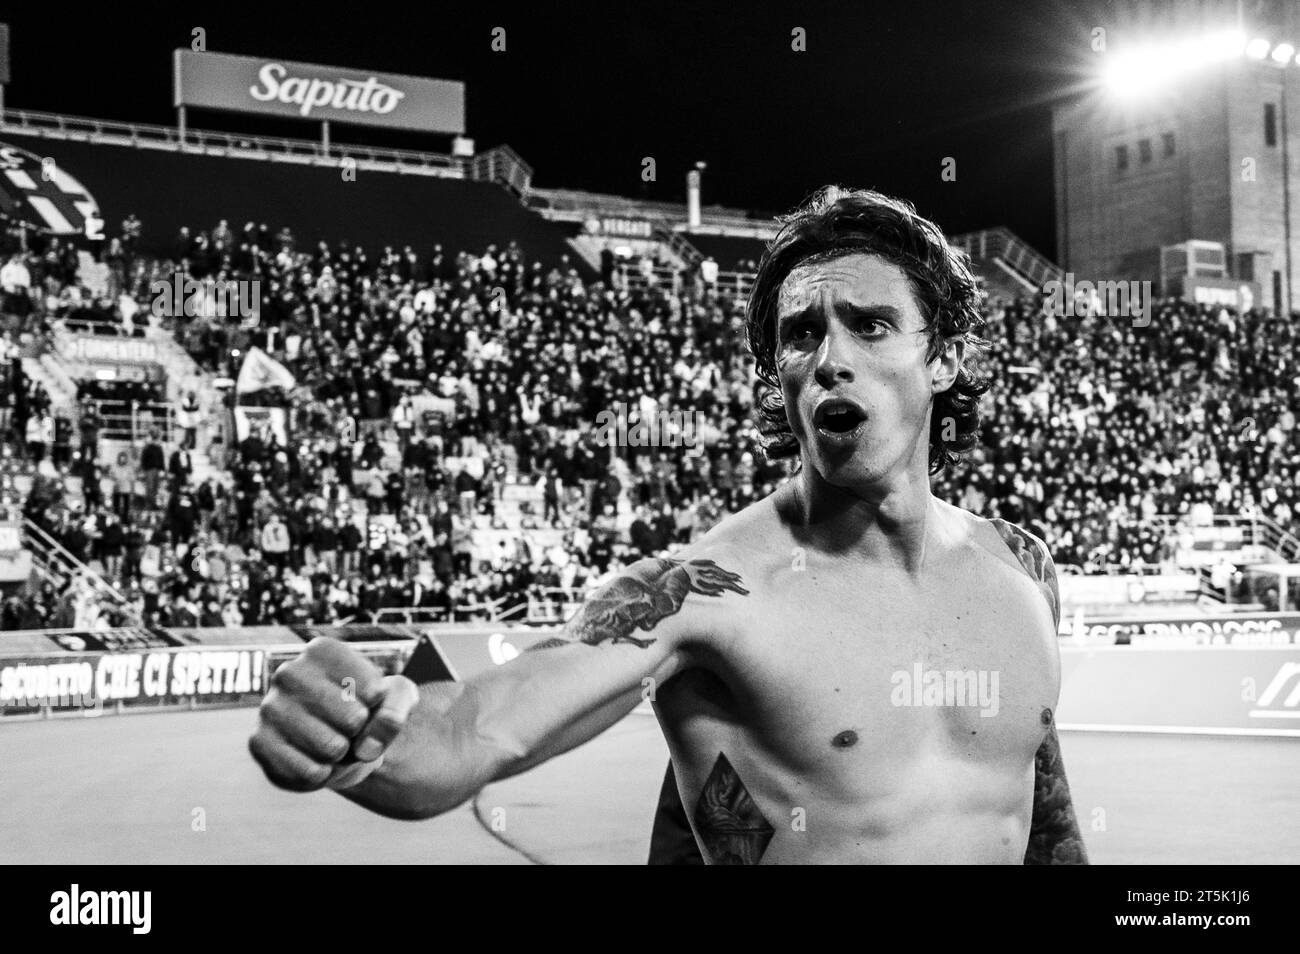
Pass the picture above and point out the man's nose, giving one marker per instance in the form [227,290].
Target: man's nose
[834,359]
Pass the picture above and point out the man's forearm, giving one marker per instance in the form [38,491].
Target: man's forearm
[624,641]
[437,763]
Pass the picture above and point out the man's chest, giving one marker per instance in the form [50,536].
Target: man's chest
[823,673]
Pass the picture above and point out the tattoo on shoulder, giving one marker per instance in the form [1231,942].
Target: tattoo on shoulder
[639,601]
[1054,837]
[1033,556]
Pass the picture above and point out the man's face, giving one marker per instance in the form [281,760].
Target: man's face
[851,358]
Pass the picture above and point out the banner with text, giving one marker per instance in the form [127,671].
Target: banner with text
[1246,629]
[254,84]
[91,683]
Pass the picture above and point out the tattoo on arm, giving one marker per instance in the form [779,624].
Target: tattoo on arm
[1054,837]
[638,602]
[1033,556]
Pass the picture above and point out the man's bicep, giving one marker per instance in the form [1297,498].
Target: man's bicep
[1054,836]
[625,641]
[1048,581]
[642,606]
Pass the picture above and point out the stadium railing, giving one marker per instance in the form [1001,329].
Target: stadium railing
[574,205]
[1114,569]
[678,244]
[103,329]
[137,424]
[555,605]
[495,610]
[53,562]
[213,143]
[1256,530]
[502,165]
[409,615]
[1002,243]
[1279,539]
[738,284]
[112,639]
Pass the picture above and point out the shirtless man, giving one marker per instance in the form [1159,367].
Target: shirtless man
[846,671]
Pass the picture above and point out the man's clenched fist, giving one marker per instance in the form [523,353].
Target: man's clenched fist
[327,706]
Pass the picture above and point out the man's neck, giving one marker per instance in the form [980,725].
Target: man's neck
[890,525]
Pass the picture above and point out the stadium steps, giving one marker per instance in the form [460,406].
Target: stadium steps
[54,564]
[1008,264]
[204,470]
[677,247]
[49,374]
[183,375]
[510,506]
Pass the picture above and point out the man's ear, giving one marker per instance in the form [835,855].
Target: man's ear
[948,364]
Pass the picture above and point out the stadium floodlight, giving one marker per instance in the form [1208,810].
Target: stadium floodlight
[1283,53]
[1227,44]
[1143,68]
[1137,70]
[1258,48]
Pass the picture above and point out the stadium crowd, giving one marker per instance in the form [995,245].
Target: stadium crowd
[426,386]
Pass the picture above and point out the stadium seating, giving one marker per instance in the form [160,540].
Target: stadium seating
[1109,441]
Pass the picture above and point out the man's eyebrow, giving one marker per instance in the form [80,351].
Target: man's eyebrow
[883,312]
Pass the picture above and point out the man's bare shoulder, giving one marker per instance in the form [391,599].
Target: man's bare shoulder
[684,595]
[748,541]
[695,592]
[1013,545]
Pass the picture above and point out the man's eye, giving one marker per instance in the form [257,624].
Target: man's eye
[800,331]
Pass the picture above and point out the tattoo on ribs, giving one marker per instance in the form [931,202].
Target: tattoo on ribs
[630,603]
[731,828]
[1054,837]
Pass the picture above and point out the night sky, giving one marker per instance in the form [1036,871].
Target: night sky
[884,92]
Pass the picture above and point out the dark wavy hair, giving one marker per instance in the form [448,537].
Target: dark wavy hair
[838,221]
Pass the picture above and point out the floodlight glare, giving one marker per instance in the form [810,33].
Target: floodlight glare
[1131,72]
[1227,44]
[1136,71]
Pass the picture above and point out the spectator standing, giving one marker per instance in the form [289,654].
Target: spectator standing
[187,419]
[152,464]
[275,542]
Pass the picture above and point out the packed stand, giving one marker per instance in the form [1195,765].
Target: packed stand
[426,384]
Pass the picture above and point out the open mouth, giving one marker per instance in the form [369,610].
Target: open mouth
[838,417]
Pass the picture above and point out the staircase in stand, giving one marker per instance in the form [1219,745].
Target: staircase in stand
[55,565]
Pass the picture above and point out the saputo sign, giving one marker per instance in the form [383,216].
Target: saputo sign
[252,84]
